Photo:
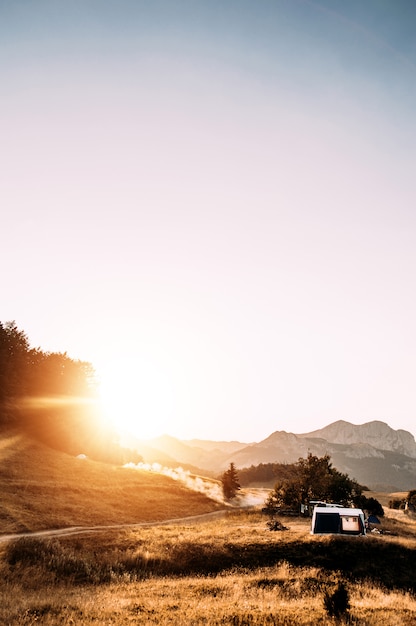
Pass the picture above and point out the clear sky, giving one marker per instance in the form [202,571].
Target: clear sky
[213,202]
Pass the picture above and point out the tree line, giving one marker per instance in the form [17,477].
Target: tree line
[53,397]
[27,372]
[265,474]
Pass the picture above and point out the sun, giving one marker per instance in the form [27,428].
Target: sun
[136,396]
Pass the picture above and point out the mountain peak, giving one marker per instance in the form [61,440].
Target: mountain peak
[375,433]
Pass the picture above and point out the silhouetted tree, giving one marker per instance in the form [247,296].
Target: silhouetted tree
[266,473]
[316,479]
[230,484]
[52,396]
[27,372]
[56,374]
[14,347]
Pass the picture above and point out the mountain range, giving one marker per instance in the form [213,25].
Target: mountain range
[374,454]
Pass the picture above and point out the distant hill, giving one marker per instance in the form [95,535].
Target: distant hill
[42,488]
[206,455]
[374,454]
[196,456]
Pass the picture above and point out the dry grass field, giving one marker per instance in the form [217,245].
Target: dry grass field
[224,570]
[231,570]
[42,489]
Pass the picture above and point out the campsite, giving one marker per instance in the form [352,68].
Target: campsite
[89,542]
[224,571]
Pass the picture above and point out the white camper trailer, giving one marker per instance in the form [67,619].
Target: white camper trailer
[337,520]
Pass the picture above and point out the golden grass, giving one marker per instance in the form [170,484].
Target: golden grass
[229,570]
[285,591]
[42,488]
[384,498]
[233,599]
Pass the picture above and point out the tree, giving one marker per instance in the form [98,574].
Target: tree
[53,397]
[230,484]
[316,479]
[264,473]
[14,347]
[47,393]
[286,495]
[56,374]
[28,372]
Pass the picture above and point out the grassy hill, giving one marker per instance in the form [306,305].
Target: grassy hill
[42,488]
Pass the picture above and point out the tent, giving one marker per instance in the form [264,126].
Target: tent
[337,520]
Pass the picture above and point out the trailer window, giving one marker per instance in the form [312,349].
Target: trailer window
[350,524]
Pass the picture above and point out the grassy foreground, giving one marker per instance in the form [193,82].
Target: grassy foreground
[227,571]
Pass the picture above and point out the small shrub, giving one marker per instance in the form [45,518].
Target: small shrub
[336,603]
[395,504]
[274,524]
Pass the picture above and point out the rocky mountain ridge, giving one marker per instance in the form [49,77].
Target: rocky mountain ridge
[373,453]
[376,434]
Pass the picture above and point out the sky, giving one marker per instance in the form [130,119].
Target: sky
[213,202]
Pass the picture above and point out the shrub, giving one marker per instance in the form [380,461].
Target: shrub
[274,524]
[336,603]
[395,504]
[371,505]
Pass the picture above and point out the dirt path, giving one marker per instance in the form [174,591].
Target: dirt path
[80,530]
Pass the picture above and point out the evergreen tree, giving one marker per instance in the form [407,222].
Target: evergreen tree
[230,484]
[14,347]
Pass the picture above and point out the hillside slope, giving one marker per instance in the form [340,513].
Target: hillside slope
[42,488]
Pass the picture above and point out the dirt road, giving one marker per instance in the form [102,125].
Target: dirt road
[80,530]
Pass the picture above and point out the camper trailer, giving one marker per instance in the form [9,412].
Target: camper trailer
[337,520]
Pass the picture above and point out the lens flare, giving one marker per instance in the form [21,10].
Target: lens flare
[136,396]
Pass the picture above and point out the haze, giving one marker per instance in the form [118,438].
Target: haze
[214,203]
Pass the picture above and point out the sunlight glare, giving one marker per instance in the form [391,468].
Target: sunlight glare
[137,397]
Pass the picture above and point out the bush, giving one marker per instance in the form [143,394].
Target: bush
[395,504]
[371,505]
[336,603]
[274,524]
